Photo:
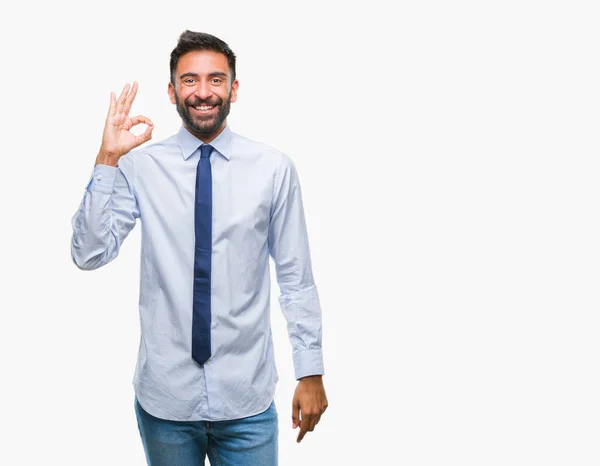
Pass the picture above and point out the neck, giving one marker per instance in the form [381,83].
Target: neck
[206,137]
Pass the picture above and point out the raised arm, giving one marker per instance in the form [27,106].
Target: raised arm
[109,208]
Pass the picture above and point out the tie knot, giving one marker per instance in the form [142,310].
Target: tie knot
[205,150]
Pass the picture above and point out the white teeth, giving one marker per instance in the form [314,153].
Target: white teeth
[204,107]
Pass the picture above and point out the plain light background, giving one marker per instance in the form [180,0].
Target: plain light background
[448,157]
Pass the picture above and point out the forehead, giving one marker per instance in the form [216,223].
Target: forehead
[202,62]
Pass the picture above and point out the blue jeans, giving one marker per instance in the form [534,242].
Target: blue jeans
[250,441]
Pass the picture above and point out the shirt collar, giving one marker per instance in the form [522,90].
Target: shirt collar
[189,143]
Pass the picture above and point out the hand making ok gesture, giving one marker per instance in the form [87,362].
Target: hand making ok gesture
[117,139]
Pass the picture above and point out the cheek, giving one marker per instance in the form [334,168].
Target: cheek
[183,95]
[225,96]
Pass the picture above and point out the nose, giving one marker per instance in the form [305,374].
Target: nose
[203,90]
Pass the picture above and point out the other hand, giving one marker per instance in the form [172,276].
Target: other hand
[309,403]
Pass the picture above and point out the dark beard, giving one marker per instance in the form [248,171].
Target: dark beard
[203,126]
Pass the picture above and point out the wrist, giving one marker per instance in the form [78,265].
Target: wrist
[107,159]
[312,378]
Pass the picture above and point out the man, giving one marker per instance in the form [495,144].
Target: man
[213,207]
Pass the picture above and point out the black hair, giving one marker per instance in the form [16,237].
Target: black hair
[190,41]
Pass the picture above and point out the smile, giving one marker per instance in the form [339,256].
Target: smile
[204,109]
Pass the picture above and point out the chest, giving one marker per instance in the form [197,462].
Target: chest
[241,195]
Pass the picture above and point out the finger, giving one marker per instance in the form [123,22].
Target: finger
[121,99]
[312,422]
[141,119]
[123,94]
[145,136]
[130,98]
[295,413]
[113,105]
[303,429]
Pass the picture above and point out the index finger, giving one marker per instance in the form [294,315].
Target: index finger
[303,429]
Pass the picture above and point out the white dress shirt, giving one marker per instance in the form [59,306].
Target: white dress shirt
[257,212]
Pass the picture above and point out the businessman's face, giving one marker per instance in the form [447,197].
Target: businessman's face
[203,92]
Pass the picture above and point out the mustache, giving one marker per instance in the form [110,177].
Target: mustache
[196,102]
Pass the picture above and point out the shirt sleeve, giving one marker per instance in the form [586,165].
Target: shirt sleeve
[289,248]
[107,214]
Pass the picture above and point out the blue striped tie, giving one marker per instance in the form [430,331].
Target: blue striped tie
[202,258]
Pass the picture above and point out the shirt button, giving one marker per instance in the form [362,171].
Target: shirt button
[99,177]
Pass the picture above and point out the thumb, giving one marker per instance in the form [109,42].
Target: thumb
[295,412]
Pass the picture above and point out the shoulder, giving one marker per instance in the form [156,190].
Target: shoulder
[247,147]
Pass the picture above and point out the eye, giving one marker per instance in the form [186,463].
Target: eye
[217,80]
[189,81]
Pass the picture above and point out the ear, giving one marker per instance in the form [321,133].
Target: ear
[234,89]
[171,91]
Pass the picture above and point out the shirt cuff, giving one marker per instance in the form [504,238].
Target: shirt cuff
[308,362]
[103,179]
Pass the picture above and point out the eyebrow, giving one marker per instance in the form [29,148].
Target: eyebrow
[210,75]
